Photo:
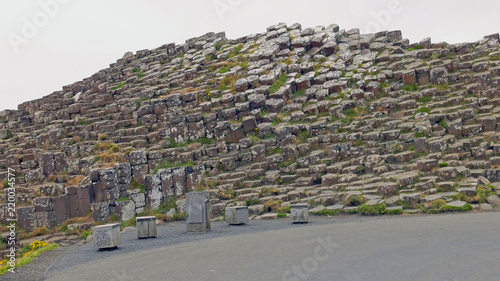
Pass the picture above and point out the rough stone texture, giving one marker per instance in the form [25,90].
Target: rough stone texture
[357,113]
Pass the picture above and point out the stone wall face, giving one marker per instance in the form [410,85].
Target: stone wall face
[319,114]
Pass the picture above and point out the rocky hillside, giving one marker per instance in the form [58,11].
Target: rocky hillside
[344,121]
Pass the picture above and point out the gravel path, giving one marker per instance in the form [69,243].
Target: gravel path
[59,259]
[35,270]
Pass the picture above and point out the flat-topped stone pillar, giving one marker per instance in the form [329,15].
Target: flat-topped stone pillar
[106,236]
[237,215]
[299,213]
[198,211]
[146,227]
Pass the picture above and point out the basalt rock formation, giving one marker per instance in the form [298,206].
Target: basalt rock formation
[320,115]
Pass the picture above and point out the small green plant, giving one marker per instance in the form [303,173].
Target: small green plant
[275,151]
[140,75]
[223,70]
[119,86]
[302,137]
[355,200]
[437,204]
[299,93]
[374,210]
[443,123]
[443,164]
[227,194]
[227,83]
[272,205]
[122,199]
[447,208]
[169,165]
[27,257]
[423,109]
[425,99]
[281,216]
[251,202]
[360,170]
[255,139]
[267,191]
[418,47]
[235,51]
[441,87]
[137,185]
[411,88]
[218,46]
[278,84]
[85,234]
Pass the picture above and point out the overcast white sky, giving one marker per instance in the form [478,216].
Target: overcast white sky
[46,44]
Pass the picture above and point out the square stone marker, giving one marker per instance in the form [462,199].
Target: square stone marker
[146,227]
[300,213]
[237,215]
[106,236]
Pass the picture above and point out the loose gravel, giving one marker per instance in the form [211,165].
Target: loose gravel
[63,258]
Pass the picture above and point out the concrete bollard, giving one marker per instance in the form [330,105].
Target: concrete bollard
[237,215]
[146,227]
[106,236]
[198,211]
[299,213]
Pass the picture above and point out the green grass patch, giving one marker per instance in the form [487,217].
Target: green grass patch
[119,86]
[423,109]
[411,88]
[278,84]
[28,257]
[448,208]
[297,94]
[137,185]
[374,210]
[123,199]
[440,87]
[302,137]
[425,99]
[251,202]
[418,47]
[170,165]
[235,51]
[227,83]
[85,234]
[223,70]
[443,123]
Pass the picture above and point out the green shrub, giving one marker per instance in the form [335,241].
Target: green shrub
[251,202]
[448,208]
[425,99]
[443,164]
[85,234]
[299,93]
[443,123]
[278,84]
[410,88]
[374,210]
[423,109]
[355,200]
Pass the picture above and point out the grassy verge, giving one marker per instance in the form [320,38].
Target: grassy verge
[27,258]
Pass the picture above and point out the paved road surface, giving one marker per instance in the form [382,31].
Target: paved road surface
[439,247]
